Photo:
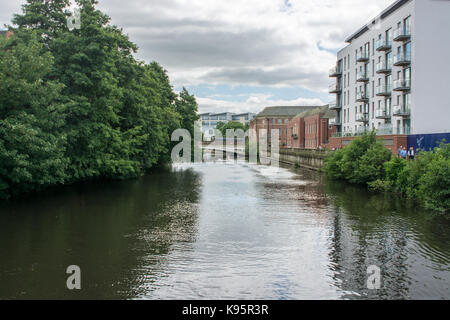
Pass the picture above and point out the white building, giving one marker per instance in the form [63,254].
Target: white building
[394,74]
[210,120]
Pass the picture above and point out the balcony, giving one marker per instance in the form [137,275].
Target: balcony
[384,67]
[362,56]
[334,122]
[402,85]
[402,59]
[385,129]
[401,110]
[362,77]
[382,114]
[362,96]
[383,45]
[334,106]
[334,88]
[361,117]
[335,72]
[402,34]
[383,90]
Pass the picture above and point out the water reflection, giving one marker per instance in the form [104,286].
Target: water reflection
[222,231]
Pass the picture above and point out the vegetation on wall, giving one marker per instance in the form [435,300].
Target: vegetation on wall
[77,105]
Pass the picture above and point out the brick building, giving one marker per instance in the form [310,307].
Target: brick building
[311,129]
[277,118]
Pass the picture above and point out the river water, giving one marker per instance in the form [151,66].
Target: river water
[222,231]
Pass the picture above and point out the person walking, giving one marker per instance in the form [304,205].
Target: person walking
[411,153]
[403,153]
[399,151]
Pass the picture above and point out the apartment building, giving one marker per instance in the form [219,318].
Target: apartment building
[210,120]
[394,74]
[244,118]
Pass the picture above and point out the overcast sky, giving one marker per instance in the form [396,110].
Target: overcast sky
[237,55]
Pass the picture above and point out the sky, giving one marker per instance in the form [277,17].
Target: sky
[239,56]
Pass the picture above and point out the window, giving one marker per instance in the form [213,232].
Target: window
[279,121]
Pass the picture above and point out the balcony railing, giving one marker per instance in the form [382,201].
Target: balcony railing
[384,67]
[383,90]
[362,96]
[402,130]
[362,76]
[401,110]
[402,85]
[334,105]
[402,33]
[402,59]
[335,71]
[361,117]
[382,114]
[334,88]
[385,129]
[334,122]
[362,56]
[383,45]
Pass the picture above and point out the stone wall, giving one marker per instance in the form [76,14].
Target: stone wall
[311,159]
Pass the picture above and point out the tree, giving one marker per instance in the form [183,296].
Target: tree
[232,125]
[187,107]
[46,18]
[32,108]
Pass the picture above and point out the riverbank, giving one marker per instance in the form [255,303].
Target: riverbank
[310,159]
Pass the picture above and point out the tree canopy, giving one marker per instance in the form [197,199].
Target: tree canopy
[77,105]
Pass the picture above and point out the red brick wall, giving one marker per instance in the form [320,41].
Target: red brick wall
[296,126]
[316,131]
[392,142]
[268,124]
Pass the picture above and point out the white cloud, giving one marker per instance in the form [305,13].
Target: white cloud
[235,42]
[254,103]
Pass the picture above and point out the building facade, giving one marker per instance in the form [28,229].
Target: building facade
[394,73]
[210,120]
[311,129]
[277,118]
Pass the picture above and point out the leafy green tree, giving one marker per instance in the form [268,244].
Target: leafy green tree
[85,108]
[32,110]
[187,107]
[232,125]
[47,18]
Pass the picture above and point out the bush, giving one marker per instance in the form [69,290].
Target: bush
[360,162]
[366,161]
[434,184]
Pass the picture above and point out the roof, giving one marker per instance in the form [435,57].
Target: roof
[324,112]
[288,111]
[384,14]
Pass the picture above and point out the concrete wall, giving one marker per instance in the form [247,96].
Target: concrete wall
[431,69]
[311,159]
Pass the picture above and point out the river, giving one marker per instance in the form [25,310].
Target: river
[221,231]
